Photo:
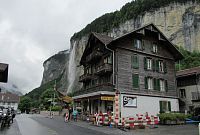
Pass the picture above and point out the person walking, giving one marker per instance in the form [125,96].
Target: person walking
[75,113]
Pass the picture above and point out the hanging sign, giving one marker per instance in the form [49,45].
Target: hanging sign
[129,101]
[107,98]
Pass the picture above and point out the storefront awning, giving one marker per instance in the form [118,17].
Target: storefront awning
[66,99]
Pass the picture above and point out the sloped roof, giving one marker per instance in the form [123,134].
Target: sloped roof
[188,72]
[105,39]
[9,97]
[177,55]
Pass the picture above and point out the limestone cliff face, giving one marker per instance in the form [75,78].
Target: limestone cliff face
[54,66]
[179,22]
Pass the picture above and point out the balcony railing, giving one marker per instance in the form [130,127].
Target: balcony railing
[94,55]
[85,77]
[105,68]
[100,87]
[195,96]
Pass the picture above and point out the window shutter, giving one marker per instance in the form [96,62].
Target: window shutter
[165,67]
[169,106]
[157,65]
[154,84]
[145,63]
[143,47]
[161,107]
[166,86]
[153,64]
[134,61]
[158,84]
[145,83]
[135,80]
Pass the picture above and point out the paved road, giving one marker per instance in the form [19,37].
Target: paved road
[39,125]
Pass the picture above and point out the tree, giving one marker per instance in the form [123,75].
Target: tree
[25,104]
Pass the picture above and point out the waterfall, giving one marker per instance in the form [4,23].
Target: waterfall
[71,69]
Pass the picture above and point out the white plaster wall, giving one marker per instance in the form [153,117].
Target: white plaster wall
[15,105]
[147,104]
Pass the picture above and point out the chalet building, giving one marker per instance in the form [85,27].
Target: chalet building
[3,72]
[138,68]
[9,100]
[188,86]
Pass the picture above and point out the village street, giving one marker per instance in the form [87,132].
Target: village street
[39,125]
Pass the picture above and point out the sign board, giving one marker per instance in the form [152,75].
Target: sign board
[129,101]
[107,98]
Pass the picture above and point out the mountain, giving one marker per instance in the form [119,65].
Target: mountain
[179,20]
[10,88]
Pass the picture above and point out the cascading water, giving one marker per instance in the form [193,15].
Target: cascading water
[71,69]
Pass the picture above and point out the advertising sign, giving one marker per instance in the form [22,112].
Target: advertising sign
[129,101]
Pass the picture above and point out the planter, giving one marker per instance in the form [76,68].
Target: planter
[173,122]
[180,122]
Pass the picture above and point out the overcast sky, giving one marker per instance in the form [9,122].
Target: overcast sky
[33,30]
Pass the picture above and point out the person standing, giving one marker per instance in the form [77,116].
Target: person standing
[75,113]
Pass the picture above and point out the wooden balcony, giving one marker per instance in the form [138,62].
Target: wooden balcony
[103,69]
[195,96]
[85,77]
[100,87]
[95,55]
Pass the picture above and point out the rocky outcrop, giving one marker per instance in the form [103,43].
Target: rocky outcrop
[179,22]
[55,66]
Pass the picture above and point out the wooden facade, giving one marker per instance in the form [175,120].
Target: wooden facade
[132,73]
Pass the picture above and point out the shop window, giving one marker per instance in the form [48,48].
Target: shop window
[165,106]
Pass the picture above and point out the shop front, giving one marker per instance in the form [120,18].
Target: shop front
[95,104]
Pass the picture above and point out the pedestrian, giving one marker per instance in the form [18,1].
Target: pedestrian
[75,113]
[70,113]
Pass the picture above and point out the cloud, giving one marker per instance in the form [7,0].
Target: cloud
[33,30]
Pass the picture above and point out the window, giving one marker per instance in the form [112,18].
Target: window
[108,59]
[134,61]
[165,106]
[155,48]
[182,93]
[161,66]
[162,85]
[138,44]
[149,83]
[149,63]
[135,79]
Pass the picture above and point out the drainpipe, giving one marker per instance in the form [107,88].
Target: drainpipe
[113,63]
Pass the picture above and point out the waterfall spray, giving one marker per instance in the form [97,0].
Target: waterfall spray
[71,69]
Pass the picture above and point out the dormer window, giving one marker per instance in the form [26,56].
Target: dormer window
[155,48]
[138,44]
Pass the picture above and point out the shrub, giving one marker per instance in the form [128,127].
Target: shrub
[56,108]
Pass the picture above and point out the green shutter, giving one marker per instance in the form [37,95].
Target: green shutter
[145,63]
[143,47]
[166,86]
[169,106]
[158,84]
[135,80]
[154,84]
[145,83]
[161,107]
[153,64]
[157,65]
[135,61]
[165,67]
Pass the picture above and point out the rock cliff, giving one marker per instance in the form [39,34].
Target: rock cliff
[179,22]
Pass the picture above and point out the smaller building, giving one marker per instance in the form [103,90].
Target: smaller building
[9,100]
[188,87]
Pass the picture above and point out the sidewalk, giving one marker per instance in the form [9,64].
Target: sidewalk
[13,129]
[164,130]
